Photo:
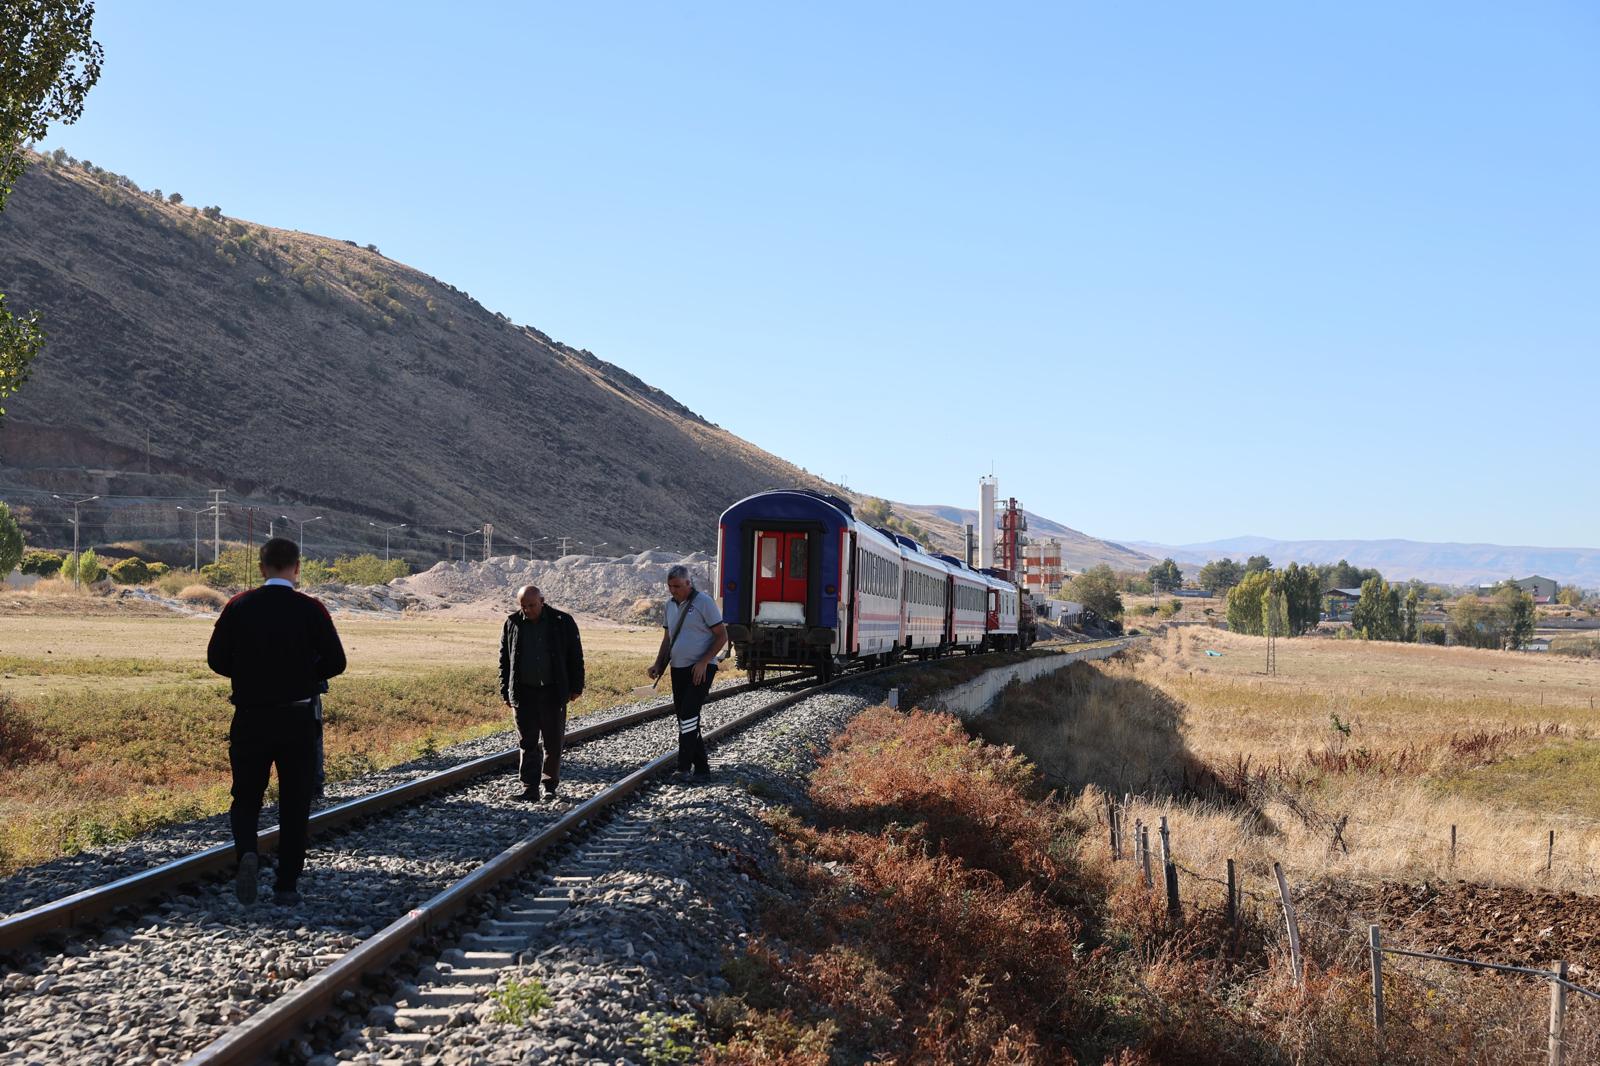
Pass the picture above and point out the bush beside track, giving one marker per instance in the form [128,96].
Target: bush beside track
[936,906]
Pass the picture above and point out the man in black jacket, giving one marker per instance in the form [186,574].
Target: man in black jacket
[280,648]
[541,669]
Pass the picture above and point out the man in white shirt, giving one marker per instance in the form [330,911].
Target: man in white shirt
[694,634]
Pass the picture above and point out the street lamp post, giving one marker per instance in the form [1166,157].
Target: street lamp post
[464,537]
[75,505]
[302,541]
[386,532]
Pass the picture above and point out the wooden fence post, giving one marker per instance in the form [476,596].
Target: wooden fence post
[1170,872]
[1452,846]
[1144,838]
[1233,897]
[1293,924]
[1111,822]
[1558,1015]
[1550,853]
[1375,942]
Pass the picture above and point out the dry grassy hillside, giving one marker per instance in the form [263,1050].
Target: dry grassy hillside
[298,370]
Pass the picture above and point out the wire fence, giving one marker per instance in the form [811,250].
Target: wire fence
[1557,1042]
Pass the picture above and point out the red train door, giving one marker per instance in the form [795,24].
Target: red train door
[782,567]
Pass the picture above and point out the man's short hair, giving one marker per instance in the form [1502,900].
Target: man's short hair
[524,590]
[679,570]
[279,553]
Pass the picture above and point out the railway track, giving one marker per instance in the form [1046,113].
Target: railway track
[196,974]
[160,979]
[22,929]
[478,955]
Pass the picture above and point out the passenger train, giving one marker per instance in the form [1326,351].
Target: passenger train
[803,583]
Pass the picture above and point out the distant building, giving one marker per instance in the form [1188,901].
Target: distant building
[1542,589]
[1204,594]
[1537,644]
[1041,567]
[1064,611]
[1340,604]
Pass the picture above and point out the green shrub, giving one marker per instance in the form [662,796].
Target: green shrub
[42,563]
[234,568]
[516,1002]
[315,572]
[368,569]
[89,568]
[130,571]
[1430,633]
[158,569]
[69,567]
[11,546]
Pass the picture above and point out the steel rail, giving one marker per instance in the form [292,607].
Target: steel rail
[19,930]
[263,1031]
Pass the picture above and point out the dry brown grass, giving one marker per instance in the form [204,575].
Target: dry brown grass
[112,726]
[1393,743]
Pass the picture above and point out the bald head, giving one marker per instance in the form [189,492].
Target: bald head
[531,600]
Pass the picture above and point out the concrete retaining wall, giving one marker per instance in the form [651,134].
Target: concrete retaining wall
[972,699]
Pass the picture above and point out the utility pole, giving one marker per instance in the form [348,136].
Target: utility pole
[75,505]
[488,540]
[563,541]
[216,525]
[197,514]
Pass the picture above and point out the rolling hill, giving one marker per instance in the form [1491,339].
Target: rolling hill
[306,376]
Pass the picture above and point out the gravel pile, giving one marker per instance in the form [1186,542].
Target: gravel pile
[629,588]
[166,981]
[642,948]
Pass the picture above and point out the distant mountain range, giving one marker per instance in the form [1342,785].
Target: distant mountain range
[1446,563]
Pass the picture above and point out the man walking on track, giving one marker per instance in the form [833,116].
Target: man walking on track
[279,647]
[541,669]
[694,635]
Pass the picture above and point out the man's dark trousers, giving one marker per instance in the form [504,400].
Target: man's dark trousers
[687,699]
[261,737]
[539,714]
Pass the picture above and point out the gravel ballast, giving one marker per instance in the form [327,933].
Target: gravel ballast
[164,983]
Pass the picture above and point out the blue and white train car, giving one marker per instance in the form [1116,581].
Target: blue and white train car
[1004,614]
[968,616]
[803,584]
[923,599]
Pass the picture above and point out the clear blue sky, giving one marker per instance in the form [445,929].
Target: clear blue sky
[1179,271]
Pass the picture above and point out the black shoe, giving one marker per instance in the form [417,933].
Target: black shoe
[550,794]
[286,897]
[702,771]
[528,795]
[244,879]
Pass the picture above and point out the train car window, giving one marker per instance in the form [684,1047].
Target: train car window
[799,556]
[769,557]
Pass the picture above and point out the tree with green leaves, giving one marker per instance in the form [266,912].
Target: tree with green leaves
[11,543]
[1165,576]
[1516,610]
[89,568]
[1377,613]
[1257,564]
[1220,575]
[1096,589]
[1408,617]
[1302,588]
[1246,603]
[49,60]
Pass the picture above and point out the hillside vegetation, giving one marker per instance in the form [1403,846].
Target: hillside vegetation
[291,369]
